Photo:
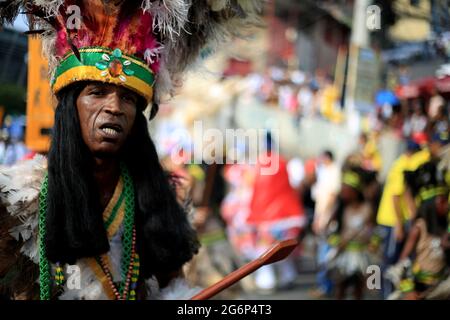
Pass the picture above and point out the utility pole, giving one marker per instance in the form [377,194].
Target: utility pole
[360,32]
[271,14]
[360,38]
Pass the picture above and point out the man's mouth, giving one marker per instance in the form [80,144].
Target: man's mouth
[111,130]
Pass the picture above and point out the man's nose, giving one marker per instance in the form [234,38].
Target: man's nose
[112,104]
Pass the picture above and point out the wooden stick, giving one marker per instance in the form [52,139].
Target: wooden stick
[278,252]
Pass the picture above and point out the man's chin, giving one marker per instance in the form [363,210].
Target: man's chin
[106,153]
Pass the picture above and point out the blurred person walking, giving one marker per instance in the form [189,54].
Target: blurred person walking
[353,220]
[306,187]
[391,145]
[423,255]
[368,150]
[440,123]
[325,192]
[435,104]
[417,122]
[396,207]
[276,213]
[427,269]
[235,210]
[216,257]
[305,99]
[15,151]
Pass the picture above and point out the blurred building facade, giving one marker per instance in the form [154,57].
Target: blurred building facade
[312,32]
[13,54]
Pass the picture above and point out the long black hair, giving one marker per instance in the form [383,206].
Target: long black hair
[74,222]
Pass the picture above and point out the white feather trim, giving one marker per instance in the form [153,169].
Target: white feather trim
[179,289]
[169,16]
[152,55]
[51,7]
[90,287]
[163,86]
[20,185]
[217,5]
[49,51]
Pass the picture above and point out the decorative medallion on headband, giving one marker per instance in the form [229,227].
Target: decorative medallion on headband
[143,45]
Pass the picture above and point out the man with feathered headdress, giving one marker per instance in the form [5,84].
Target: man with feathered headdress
[99,219]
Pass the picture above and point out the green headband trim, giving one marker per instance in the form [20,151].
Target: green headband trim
[104,65]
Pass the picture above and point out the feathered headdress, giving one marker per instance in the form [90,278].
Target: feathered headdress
[143,45]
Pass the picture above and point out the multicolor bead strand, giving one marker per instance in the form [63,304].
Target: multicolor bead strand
[59,275]
[126,283]
[105,268]
[128,242]
[134,278]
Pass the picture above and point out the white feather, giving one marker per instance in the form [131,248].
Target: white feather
[163,86]
[169,16]
[19,185]
[51,7]
[179,289]
[218,5]
[151,55]
[90,287]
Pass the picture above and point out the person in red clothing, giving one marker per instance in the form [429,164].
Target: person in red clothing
[276,213]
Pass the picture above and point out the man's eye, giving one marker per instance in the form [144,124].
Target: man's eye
[97,92]
[129,98]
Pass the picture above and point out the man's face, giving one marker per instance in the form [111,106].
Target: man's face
[106,114]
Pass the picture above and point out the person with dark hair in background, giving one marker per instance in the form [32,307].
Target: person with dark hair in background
[396,207]
[429,187]
[353,221]
[427,267]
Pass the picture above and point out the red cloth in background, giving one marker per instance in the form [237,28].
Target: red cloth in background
[273,197]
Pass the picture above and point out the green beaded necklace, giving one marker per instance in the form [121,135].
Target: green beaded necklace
[127,243]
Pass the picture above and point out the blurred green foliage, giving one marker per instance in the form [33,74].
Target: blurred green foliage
[13,98]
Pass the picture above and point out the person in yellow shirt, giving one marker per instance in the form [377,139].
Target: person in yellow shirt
[371,158]
[397,206]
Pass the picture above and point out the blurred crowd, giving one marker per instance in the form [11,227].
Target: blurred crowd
[12,145]
[385,205]
[302,94]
